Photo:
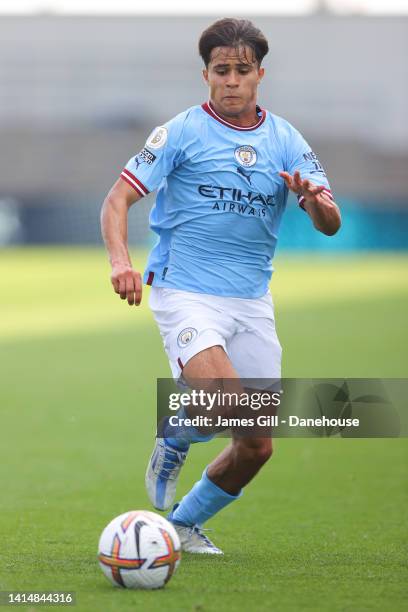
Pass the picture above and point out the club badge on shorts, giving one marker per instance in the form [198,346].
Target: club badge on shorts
[186,336]
[246,156]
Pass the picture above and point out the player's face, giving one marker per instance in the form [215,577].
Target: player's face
[233,76]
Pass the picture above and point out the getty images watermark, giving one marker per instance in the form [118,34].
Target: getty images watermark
[356,408]
[210,400]
[225,406]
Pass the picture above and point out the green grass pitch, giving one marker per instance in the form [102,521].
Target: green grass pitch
[323,527]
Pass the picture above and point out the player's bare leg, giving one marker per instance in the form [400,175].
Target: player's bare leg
[225,477]
[170,450]
[237,464]
[169,453]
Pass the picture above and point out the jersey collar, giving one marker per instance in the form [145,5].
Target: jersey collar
[210,110]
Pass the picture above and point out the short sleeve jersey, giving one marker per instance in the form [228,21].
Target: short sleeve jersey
[220,199]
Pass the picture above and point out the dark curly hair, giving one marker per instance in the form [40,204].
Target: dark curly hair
[231,32]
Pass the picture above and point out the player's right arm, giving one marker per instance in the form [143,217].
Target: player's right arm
[142,174]
[126,281]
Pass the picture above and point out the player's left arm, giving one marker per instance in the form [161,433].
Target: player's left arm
[317,202]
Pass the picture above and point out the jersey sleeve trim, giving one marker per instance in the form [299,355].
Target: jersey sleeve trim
[301,198]
[134,182]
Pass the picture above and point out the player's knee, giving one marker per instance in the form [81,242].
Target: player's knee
[263,452]
[257,451]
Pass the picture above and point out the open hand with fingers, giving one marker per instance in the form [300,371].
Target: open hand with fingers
[302,187]
[127,283]
[317,202]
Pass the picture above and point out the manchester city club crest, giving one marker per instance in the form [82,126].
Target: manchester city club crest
[245,155]
[186,336]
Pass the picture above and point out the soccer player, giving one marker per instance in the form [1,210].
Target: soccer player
[222,171]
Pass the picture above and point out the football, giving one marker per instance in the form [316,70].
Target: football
[139,550]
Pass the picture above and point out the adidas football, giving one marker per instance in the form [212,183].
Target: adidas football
[139,550]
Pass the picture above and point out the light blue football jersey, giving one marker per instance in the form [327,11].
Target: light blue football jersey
[220,199]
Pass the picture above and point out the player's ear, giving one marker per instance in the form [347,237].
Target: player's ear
[205,75]
[261,72]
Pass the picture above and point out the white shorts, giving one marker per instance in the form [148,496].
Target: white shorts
[245,328]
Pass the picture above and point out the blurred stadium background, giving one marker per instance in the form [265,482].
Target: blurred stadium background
[80,94]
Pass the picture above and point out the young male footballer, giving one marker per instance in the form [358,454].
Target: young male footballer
[222,171]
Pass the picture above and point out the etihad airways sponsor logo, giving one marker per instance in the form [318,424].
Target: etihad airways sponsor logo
[236,195]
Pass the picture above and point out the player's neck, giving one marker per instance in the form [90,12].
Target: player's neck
[247,119]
